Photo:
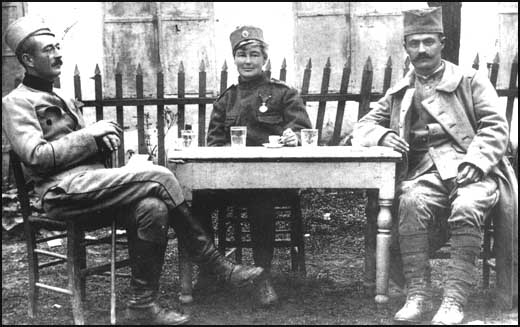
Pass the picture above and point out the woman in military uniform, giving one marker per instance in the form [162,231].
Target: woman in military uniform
[267,107]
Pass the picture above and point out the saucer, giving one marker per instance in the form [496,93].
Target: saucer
[272,146]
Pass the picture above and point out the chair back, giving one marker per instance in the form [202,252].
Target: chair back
[21,184]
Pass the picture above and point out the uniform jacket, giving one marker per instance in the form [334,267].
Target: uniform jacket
[50,141]
[239,106]
[466,106]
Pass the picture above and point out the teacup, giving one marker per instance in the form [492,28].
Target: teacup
[274,139]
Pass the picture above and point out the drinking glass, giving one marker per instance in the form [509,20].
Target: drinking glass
[238,136]
[188,138]
[309,137]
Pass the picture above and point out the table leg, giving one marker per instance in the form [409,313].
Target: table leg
[384,227]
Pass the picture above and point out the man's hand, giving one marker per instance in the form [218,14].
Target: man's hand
[468,173]
[395,142]
[104,127]
[108,132]
[111,141]
[289,138]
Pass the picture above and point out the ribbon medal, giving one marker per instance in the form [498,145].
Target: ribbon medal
[263,108]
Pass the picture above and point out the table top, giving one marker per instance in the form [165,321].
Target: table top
[256,153]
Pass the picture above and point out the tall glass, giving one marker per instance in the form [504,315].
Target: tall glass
[238,136]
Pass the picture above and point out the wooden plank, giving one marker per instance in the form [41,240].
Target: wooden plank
[306,79]
[98,93]
[476,62]
[267,71]
[366,89]
[512,85]
[202,106]
[283,71]
[322,104]
[120,115]
[77,85]
[493,70]
[340,113]
[223,78]
[140,111]
[388,75]
[160,120]
[181,109]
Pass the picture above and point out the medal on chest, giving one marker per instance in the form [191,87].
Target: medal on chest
[263,107]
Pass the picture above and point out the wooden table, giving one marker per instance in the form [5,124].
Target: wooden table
[206,168]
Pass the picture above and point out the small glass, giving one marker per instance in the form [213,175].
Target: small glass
[238,136]
[309,137]
[188,138]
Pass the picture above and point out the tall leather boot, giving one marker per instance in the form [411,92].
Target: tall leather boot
[147,261]
[203,252]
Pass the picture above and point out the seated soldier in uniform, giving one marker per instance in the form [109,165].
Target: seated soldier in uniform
[266,107]
[64,159]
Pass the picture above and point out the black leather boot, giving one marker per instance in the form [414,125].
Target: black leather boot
[147,261]
[203,252]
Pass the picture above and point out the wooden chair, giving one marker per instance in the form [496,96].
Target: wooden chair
[75,256]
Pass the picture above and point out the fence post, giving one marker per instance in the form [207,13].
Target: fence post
[366,89]
[77,85]
[98,93]
[323,103]
[387,79]
[202,106]
[223,78]
[306,78]
[283,71]
[141,144]
[493,70]
[476,62]
[160,118]
[341,104]
[120,114]
[181,78]
[268,69]
[512,86]
[406,67]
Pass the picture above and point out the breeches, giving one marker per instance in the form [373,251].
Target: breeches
[427,203]
[140,198]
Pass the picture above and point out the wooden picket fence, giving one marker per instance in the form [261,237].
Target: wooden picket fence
[364,97]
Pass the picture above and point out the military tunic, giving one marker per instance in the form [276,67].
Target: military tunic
[239,106]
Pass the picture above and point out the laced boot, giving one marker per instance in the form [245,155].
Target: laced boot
[147,261]
[203,252]
[414,309]
[450,313]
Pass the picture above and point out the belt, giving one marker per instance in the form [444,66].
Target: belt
[424,136]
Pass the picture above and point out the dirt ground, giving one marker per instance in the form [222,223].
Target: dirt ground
[331,292]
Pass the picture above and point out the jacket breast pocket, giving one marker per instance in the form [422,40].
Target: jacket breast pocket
[230,121]
[271,119]
[48,116]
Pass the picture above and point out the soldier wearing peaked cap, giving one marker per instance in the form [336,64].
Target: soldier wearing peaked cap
[64,158]
[446,122]
[267,107]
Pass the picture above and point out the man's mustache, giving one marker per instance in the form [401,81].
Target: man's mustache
[422,56]
[57,62]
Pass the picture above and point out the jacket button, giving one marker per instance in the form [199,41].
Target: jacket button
[48,122]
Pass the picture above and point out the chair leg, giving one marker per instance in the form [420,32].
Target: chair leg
[221,226]
[74,236]
[33,271]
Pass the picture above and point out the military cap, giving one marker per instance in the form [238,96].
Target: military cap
[245,33]
[428,20]
[23,28]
